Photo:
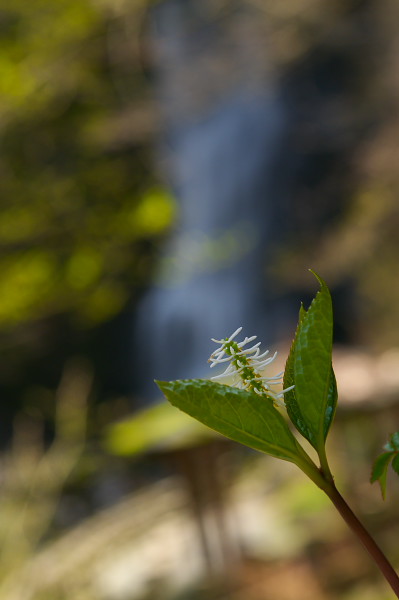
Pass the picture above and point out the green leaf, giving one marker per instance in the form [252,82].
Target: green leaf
[331,404]
[292,406]
[311,404]
[395,463]
[395,440]
[379,471]
[156,428]
[241,416]
[380,466]
[393,444]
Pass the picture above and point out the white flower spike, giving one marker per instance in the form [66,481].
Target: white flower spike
[246,366]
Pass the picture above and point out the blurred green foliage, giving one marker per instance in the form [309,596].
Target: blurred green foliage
[83,211]
[158,428]
[79,191]
[84,208]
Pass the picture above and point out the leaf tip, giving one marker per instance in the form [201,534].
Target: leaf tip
[319,279]
[163,385]
[380,470]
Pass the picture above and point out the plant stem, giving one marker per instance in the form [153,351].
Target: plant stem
[368,542]
[324,466]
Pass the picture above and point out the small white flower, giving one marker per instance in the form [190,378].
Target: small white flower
[245,367]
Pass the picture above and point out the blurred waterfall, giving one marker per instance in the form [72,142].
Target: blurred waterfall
[223,124]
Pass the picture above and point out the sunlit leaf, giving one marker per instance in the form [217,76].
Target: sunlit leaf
[159,427]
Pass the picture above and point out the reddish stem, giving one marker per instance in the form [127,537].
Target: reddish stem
[359,530]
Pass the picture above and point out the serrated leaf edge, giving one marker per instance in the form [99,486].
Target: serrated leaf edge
[289,379]
[325,420]
[323,431]
[301,459]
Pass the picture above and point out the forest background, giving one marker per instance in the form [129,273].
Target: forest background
[86,205]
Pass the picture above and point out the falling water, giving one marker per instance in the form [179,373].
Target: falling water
[223,123]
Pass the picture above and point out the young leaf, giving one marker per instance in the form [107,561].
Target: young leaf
[241,416]
[395,440]
[311,404]
[331,404]
[395,463]
[379,471]
[292,406]
[393,444]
